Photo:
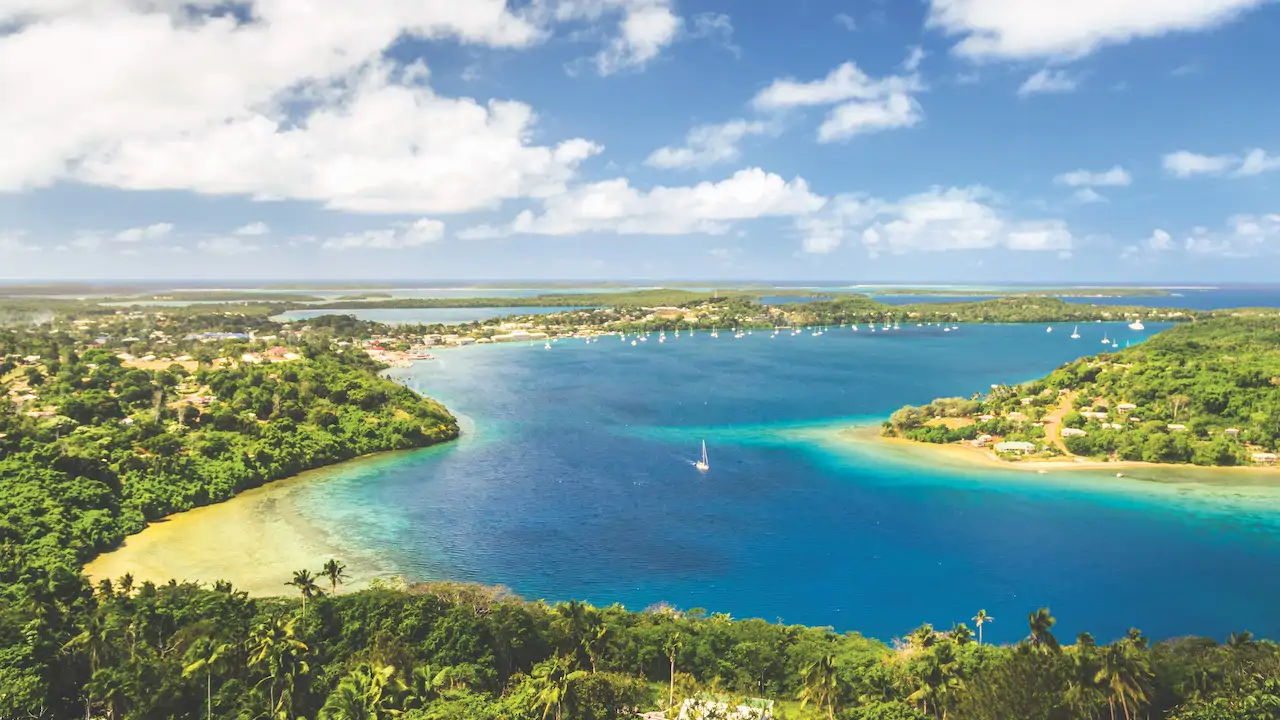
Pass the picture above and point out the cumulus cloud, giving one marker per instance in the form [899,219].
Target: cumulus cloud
[863,104]
[296,102]
[1017,29]
[138,234]
[708,145]
[1088,195]
[644,28]
[1048,81]
[1185,164]
[614,206]
[229,245]
[1160,241]
[1115,177]
[935,221]
[252,229]
[1244,236]
[419,233]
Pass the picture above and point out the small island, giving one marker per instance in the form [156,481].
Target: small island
[1205,393]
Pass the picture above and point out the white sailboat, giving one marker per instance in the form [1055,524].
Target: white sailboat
[1105,341]
[1075,333]
[703,464]
[1137,325]
[1049,329]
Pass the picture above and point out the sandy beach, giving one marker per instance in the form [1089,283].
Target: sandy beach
[255,540]
[961,457]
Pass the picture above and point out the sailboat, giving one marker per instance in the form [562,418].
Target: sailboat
[1105,341]
[1137,325]
[1049,329]
[1075,333]
[703,464]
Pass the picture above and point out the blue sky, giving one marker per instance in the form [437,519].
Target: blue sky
[891,140]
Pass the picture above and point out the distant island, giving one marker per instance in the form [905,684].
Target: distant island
[1078,292]
[1206,393]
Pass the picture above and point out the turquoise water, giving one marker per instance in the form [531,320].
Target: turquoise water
[573,479]
[425,316]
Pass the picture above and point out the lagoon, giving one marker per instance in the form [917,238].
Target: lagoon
[424,316]
[573,480]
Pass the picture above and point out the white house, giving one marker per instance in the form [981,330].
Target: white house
[1073,432]
[1016,447]
[1264,458]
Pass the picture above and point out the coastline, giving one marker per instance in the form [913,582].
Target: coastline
[963,457]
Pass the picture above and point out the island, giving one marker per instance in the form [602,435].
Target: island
[113,418]
[1206,393]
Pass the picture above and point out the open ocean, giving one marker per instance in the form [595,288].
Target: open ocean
[574,480]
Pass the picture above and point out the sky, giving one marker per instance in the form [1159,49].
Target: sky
[863,140]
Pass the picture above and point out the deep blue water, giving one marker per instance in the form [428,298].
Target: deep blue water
[426,316]
[573,479]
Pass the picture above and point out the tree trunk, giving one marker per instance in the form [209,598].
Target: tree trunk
[1112,702]
[208,693]
[979,633]
[671,693]
[1125,704]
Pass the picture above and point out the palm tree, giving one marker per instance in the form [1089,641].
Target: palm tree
[1083,693]
[981,619]
[1125,675]
[1040,623]
[961,634]
[1244,638]
[276,651]
[366,693]
[923,637]
[937,673]
[551,682]
[208,655]
[306,584]
[126,584]
[672,647]
[94,640]
[335,571]
[819,685]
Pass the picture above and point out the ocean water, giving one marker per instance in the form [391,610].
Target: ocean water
[574,480]
[426,316]
[1192,299]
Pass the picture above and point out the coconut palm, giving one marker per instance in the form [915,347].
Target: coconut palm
[961,634]
[981,619]
[126,584]
[366,693]
[277,653]
[1241,639]
[1040,623]
[1083,693]
[672,648]
[819,685]
[208,655]
[1124,673]
[552,679]
[306,584]
[335,571]
[94,641]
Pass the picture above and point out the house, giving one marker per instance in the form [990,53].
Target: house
[986,418]
[1125,407]
[1175,427]
[1264,458]
[721,708]
[1026,401]
[1015,447]
[1094,415]
[1073,432]
[1015,415]
[1233,432]
[980,441]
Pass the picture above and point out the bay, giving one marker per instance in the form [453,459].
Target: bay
[574,480]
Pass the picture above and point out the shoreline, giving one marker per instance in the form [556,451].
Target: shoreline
[255,540]
[965,457]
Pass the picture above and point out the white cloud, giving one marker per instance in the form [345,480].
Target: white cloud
[1185,164]
[1257,161]
[230,245]
[14,241]
[1244,236]
[252,229]
[1048,81]
[1115,177]
[863,104]
[645,28]
[915,55]
[934,221]
[419,233]
[138,234]
[613,206]
[708,145]
[846,21]
[297,103]
[1160,241]
[1071,28]
[1088,195]
[718,26]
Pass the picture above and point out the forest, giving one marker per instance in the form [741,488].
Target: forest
[1205,392]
